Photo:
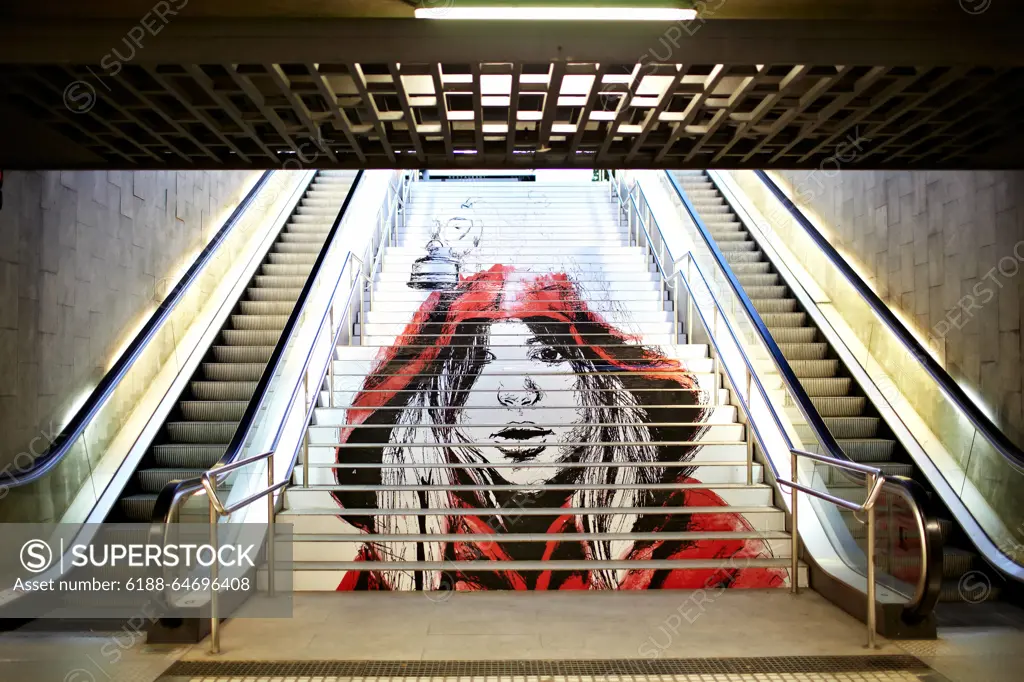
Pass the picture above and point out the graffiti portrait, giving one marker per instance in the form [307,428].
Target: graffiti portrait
[508,409]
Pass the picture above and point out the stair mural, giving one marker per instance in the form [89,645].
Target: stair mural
[519,415]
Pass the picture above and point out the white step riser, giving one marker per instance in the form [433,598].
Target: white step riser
[646,339]
[718,432]
[708,454]
[328,581]
[346,551]
[708,475]
[299,498]
[406,308]
[573,266]
[616,318]
[332,416]
[682,352]
[633,280]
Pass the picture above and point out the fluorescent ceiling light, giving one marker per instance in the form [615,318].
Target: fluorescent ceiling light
[558,13]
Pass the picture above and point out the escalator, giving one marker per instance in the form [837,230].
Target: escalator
[215,404]
[196,435]
[850,416]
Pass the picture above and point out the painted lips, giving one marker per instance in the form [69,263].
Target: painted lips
[521,432]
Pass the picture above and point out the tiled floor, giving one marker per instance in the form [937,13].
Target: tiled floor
[519,628]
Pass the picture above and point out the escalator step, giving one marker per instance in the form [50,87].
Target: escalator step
[826,387]
[784,319]
[251,337]
[794,334]
[138,508]
[267,307]
[744,269]
[212,410]
[738,256]
[303,237]
[846,406]
[243,353]
[154,480]
[953,592]
[804,351]
[273,294]
[232,371]
[291,258]
[259,322]
[815,369]
[187,456]
[286,269]
[731,246]
[201,432]
[956,561]
[852,427]
[867,449]
[758,280]
[278,282]
[766,292]
[774,305]
[222,390]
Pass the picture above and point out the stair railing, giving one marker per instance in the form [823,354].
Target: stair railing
[633,203]
[173,497]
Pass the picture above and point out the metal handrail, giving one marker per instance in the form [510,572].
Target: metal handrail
[174,495]
[803,401]
[217,508]
[929,581]
[992,433]
[68,435]
[874,481]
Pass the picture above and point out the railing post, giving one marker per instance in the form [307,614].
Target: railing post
[870,481]
[750,439]
[675,312]
[794,546]
[715,361]
[270,525]
[689,300]
[330,359]
[214,617]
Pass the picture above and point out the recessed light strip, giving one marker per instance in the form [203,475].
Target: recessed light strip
[558,13]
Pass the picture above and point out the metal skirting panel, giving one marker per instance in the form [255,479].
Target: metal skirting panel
[783,665]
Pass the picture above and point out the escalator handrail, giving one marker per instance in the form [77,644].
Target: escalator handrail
[71,432]
[803,401]
[992,433]
[167,499]
[930,583]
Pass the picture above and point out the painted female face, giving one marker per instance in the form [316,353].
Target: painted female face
[524,404]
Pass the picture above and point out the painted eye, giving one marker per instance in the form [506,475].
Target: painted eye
[548,355]
[489,356]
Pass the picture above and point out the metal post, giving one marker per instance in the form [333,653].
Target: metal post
[330,361]
[675,313]
[750,439]
[305,435]
[362,318]
[270,526]
[689,302]
[870,480]
[715,361]
[794,548]
[214,617]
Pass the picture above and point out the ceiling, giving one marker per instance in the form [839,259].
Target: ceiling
[265,84]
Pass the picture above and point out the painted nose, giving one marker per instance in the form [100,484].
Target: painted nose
[525,395]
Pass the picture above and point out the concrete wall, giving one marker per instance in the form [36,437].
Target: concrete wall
[944,250]
[84,257]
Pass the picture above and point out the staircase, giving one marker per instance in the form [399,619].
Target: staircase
[847,413]
[533,424]
[200,427]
